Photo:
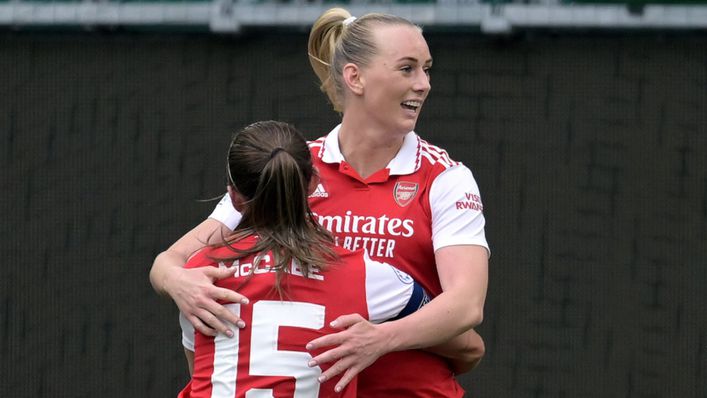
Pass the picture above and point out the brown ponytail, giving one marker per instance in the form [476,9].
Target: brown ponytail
[269,163]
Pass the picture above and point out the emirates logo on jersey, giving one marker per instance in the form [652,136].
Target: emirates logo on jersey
[404,192]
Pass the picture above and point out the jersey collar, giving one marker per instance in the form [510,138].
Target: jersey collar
[406,161]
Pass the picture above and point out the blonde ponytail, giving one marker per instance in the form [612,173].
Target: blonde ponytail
[323,37]
[337,38]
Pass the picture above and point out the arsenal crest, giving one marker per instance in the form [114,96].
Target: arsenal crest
[404,192]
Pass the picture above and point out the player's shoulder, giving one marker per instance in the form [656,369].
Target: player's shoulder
[348,261]
[316,147]
[435,156]
[346,255]
[213,255]
[316,144]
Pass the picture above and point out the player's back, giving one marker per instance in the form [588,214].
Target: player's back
[267,358]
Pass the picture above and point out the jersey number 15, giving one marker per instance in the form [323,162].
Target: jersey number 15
[265,358]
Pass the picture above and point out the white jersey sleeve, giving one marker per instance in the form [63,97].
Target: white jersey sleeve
[391,293]
[226,214]
[187,332]
[457,211]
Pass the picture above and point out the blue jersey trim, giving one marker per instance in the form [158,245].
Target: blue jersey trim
[418,298]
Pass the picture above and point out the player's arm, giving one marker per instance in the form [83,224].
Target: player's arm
[455,311]
[193,290]
[463,352]
[463,274]
[459,239]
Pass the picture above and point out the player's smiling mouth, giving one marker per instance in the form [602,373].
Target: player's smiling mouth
[412,105]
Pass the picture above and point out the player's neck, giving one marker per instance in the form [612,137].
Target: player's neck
[366,148]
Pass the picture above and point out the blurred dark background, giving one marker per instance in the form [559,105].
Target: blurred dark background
[590,152]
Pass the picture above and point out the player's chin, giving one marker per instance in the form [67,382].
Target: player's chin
[409,125]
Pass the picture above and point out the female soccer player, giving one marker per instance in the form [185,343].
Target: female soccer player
[383,189]
[289,267]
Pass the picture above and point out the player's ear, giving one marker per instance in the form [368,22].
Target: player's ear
[237,200]
[353,79]
[313,182]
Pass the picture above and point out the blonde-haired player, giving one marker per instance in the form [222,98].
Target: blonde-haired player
[388,191]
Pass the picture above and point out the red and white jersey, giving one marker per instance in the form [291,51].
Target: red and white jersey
[422,201]
[268,357]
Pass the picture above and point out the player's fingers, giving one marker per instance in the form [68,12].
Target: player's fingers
[221,313]
[345,321]
[214,323]
[329,356]
[216,273]
[228,295]
[200,326]
[345,379]
[335,369]
[329,340]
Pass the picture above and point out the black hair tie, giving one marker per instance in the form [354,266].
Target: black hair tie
[276,151]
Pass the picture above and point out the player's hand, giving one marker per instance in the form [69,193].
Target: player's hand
[194,292]
[355,348]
